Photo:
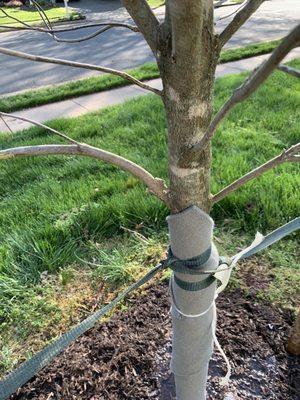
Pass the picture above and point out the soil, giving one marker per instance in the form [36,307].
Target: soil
[128,356]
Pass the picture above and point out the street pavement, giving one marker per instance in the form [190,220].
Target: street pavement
[96,101]
[119,48]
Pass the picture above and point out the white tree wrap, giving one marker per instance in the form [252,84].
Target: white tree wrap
[191,235]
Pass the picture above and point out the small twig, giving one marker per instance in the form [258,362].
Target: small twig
[75,64]
[289,70]
[52,32]
[28,27]
[137,234]
[8,127]
[233,12]
[43,15]
[239,20]
[31,121]
[289,155]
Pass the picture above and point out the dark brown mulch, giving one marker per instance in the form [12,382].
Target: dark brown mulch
[128,356]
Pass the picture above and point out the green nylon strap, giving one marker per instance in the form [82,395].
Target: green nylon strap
[191,266]
[194,286]
[274,236]
[185,266]
[29,368]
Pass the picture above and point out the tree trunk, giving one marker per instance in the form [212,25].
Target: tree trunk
[187,60]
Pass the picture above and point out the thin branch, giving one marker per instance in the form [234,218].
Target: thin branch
[75,64]
[222,3]
[48,25]
[155,186]
[49,29]
[240,18]
[257,77]
[52,32]
[145,19]
[14,18]
[27,27]
[289,70]
[62,135]
[233,12]
[42,14]
[285,156]
[7,125]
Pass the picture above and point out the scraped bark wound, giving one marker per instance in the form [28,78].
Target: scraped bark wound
[187,62]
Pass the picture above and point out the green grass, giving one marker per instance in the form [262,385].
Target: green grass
[32,16]
[251,50]
[55,211]
[156,3]
[100,83]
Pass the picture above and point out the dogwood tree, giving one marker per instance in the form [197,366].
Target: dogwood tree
[186,48]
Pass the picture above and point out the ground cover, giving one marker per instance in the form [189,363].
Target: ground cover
[128,357]
[100,83]
[56,212]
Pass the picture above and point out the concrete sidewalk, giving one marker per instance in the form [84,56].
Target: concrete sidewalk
[84,104]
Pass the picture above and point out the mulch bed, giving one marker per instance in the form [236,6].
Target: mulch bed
[128,356]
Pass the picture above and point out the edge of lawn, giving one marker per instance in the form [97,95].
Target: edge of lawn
[96,84]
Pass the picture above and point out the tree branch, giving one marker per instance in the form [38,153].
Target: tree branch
[31,121]
[257,77]
[242,5]
[285,156]
[75,64]
[289,70]
[27,27]
[222,3]
[240,18]
[145,19]
[155,186]
[6,124]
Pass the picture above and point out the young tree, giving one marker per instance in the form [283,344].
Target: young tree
[186,48]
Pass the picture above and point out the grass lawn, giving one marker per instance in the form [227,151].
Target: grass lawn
[156,3]
[56,211]
[100,83]
[32,16]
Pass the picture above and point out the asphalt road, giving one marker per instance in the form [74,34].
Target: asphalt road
[119,48]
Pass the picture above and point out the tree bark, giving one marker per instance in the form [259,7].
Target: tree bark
[187,61]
